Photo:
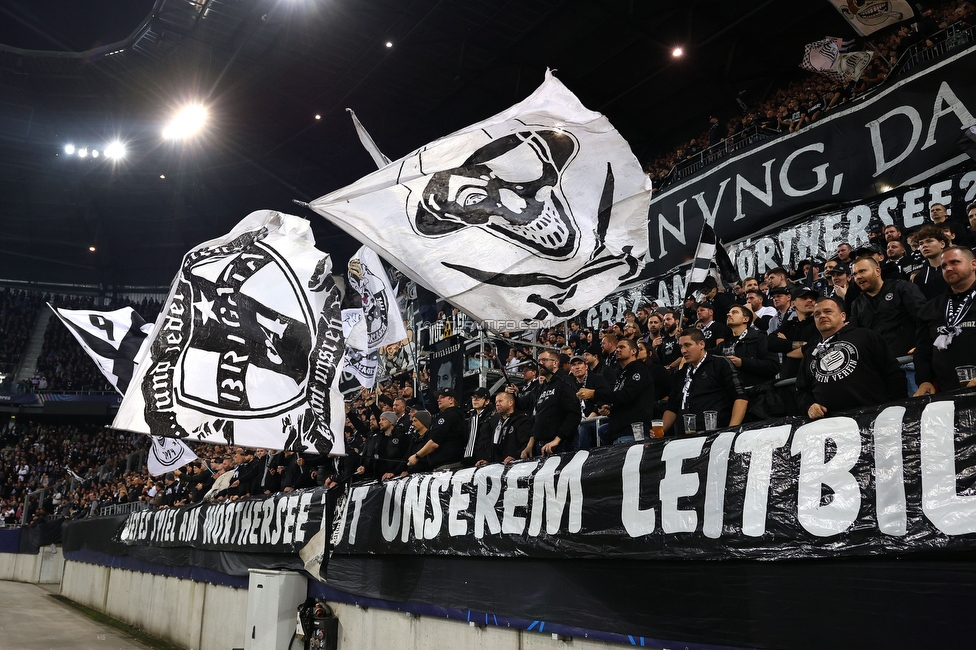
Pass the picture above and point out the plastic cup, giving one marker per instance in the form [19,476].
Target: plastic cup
[711,420]
[657,427]
[965,374]
[691,423]
[638,429]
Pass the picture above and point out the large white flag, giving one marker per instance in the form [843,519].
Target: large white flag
[117,341]
[248,347]
[535,213]
[824,57]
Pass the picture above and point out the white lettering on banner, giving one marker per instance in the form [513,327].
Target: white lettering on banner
[458,502]
[516,496]
[952,105]
[718,472]
[488,487]
[709,213]
[678,232]
[912,214]
[810,442]
[765,195]
[877,142]
[760,445]
[889,472]
[820,171]
[392,500]
[356,498]
[432,526]
[675,484]
[949,512]
[636,522]
[555,495]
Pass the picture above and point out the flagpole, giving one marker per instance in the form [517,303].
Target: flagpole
[416,353]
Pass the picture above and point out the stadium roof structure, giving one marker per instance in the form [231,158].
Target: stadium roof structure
[88,73]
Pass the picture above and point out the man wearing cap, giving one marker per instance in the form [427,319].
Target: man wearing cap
[890,308]
[591,355]
[632,398]
[713,332]
[588,407]
[479,444]
[526,396]
[845,367]
[946,337]
[792,335]
[557,412]
[931,242]
[782,303]
[444,448]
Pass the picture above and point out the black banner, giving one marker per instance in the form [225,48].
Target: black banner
[901,136]
[445,361]
[281,523]
[894,479]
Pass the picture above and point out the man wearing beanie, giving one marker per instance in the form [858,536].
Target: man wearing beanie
[445,445]
[419,424]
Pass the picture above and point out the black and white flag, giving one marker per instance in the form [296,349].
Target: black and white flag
[117,341]
[248,347]
[825,57]
[533,214]
[381,314]
[869,16]
[358,362]
[711,260]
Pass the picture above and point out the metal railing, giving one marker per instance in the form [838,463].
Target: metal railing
[123,508]
[954,36]
[708,155]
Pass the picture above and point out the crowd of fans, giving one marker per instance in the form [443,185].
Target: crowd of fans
[806,99]
[18,311]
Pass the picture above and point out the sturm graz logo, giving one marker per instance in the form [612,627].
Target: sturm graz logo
[835,363]
[250,328]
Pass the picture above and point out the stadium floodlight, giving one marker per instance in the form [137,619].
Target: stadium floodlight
[83,152]
[115,150]
[677,52]
[95,153]
[69,149]
[187,122]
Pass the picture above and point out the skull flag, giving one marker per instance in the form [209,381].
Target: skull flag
[358,362]
[534,214]
[248,347]
[115,342]
[384,322]
[869,16]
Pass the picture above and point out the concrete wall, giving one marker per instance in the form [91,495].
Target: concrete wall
[199,616]
[45,567]
[193,615]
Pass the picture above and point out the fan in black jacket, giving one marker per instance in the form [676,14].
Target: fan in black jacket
[747,349]
[632,397]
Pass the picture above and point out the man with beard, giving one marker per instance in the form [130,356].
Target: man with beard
[557,413]
[444,448]
[632,398]
[845,367]
[746,348]
[946,328]
[393,449]
[714,333]
[589,407]
[706,383]
[761,313]
[666,346]
[511,433]
[889,307]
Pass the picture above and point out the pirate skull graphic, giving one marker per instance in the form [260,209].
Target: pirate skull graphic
[509,188]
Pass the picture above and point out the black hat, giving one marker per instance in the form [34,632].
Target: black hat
[841,268]
[779,291]
[529,364]
[594,349]
[867,249]
[800,290]
[706,304]
[563,358]
[483,393]
[448,392]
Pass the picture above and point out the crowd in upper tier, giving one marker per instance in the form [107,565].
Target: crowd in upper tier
[807,98]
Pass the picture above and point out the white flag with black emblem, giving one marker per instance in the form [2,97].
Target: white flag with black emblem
[869,16]
[116,342]
[536,213]
[381,314]
[248,347]
[358,362]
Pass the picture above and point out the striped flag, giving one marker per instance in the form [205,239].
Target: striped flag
[711,260]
